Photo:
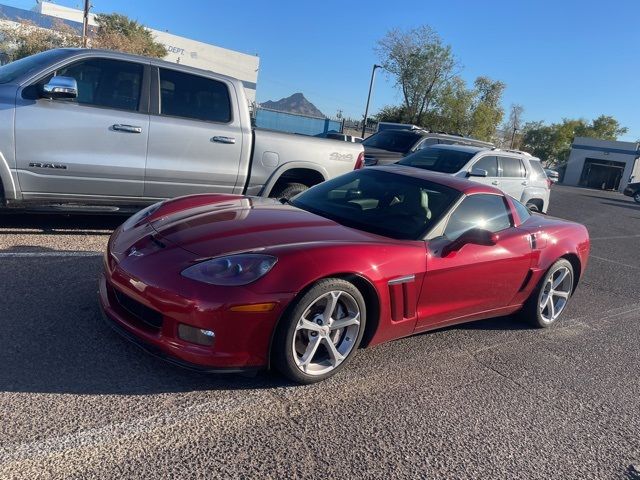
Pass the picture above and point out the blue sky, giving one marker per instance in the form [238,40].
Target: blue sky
[561,58]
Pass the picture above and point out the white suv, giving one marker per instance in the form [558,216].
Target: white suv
[514,172]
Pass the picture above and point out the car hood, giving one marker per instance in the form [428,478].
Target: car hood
[377,156]
[240,224]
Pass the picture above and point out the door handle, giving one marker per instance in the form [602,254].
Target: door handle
[220,139]
[525,183]
[118,127]
[495,182]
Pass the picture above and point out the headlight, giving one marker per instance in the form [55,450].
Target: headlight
[231,270]
[136,218]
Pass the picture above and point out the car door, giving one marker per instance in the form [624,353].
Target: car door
[195,139]
[92,146]
[475,280]
[513,178]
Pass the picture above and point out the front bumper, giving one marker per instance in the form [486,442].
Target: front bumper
[145,298]
[157,352]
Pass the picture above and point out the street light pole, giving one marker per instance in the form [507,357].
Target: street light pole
[85,23]
[366,110]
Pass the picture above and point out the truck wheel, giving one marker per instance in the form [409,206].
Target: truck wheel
[288,190]
[533,207]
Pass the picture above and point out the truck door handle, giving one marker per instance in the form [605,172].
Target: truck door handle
[220,139]
[118,127]
[495,182]
[525,183]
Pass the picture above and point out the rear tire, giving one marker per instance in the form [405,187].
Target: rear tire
[320,332]
[548,301]
[533,207]
[288,190]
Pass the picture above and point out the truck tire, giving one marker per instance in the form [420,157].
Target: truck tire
[288,190]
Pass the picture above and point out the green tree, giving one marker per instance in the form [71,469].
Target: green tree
[487,112]
[25,38]
[118,32]
[421,64]
[552,143]
[115,32]
[453,107]
[392,113]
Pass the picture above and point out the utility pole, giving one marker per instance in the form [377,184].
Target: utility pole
[85,24]
[366,110]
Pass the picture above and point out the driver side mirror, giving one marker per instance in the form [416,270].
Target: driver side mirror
[475,236]
[478,172]
[60,88]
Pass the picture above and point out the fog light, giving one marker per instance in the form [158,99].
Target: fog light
[196,335]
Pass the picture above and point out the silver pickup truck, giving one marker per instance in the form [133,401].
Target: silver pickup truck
[109,130]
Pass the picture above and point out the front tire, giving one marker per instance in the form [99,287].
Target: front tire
[548,301]
[320,333]
[636,197]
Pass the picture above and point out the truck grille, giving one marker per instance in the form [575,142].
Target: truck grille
[147,316]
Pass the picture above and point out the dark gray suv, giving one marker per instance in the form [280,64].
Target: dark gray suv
[389,146]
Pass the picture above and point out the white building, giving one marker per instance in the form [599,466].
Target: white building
[602,164]
[179,49]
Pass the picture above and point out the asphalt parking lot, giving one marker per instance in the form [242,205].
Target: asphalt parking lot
[493,399]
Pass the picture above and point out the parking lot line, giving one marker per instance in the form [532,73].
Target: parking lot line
[614,262]
[48,254]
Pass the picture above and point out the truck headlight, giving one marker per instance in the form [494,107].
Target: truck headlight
[232,270]
[136,218]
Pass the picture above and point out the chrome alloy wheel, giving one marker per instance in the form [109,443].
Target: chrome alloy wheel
[555,294]
[326,332]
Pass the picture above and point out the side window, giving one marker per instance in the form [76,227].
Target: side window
[427,142]
[106,83]
[488,212]
[490,164]
[536,166]
[523,212]
[190,96]
[512,167]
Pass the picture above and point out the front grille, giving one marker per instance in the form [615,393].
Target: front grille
[148,316]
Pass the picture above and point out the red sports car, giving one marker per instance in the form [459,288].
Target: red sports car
[225,282]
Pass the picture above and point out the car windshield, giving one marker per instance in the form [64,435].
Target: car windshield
[379,202]
[14,70]
[438,159]
[393,140]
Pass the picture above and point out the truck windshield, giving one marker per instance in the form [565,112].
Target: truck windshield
[15,70]
[438,159]
[393,140]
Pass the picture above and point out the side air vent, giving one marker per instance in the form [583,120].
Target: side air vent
[402,296]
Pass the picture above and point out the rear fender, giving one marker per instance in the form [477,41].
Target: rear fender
[275,176]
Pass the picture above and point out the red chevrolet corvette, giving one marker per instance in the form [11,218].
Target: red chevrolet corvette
[225,282]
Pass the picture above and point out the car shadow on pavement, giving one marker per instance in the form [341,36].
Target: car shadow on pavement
[54,339]
[54,222]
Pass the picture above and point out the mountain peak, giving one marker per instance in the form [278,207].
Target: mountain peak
[296,103]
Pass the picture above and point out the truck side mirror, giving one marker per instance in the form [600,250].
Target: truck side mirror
[60,87]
